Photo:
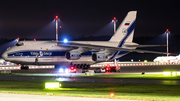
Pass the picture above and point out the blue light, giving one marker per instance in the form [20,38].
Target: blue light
[132,60]
[61,70]
[65,40]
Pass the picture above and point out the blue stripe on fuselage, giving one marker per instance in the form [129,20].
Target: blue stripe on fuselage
[43,53]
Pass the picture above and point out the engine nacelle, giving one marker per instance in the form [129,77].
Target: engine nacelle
[99,57]
[73,55]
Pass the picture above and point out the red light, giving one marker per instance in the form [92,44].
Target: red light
[18,38]
[112,94]
[34,39]
[74,69]
[167,30]
[114,18]
[56,16]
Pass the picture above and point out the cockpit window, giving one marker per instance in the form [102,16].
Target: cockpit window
[19,44]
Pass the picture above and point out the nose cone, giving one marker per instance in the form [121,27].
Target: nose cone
[4,55]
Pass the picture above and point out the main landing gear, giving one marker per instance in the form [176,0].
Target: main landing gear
[24,67]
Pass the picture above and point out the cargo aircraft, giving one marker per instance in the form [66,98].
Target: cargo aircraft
[80,54]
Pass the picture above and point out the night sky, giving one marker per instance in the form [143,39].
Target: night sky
[34,18]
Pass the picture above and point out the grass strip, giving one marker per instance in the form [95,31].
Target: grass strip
[151,92]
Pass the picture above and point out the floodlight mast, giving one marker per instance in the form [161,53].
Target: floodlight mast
[167,32]
[56,18]
[114,20]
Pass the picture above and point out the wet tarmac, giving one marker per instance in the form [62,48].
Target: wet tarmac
[54,75]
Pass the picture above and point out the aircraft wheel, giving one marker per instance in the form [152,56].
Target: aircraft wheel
[24,67]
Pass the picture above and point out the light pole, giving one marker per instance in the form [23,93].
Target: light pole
[56,18]
[167,32]
[114,20]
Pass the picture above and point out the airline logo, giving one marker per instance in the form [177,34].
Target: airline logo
[124,31]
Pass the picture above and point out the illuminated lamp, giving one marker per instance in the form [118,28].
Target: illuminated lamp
[178,73]
[65,40]
[56,17]
[167,73]
[52,85]
[174,73]
[112,94]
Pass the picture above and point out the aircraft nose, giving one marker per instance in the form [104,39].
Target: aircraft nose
[4,55]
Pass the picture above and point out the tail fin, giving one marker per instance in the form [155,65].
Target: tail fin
[125,32]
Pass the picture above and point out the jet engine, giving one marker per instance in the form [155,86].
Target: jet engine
[76,53]
[73,55]
[99,57]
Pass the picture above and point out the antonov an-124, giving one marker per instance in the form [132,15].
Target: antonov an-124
[80,54]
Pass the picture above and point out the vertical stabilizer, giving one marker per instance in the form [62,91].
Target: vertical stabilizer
[125,32]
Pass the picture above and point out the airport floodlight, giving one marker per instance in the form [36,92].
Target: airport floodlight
[114,20]
[17,39]
[56,18]
[167,32]
[52,85]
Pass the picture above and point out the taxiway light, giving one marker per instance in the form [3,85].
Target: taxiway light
[174,73]
[145,60]
[178,73]
[52,85]
[167,73]
[132,60]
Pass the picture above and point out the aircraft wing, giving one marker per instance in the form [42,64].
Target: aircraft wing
[76,45]
[140,46]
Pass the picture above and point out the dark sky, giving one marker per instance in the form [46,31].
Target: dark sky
[33,18]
